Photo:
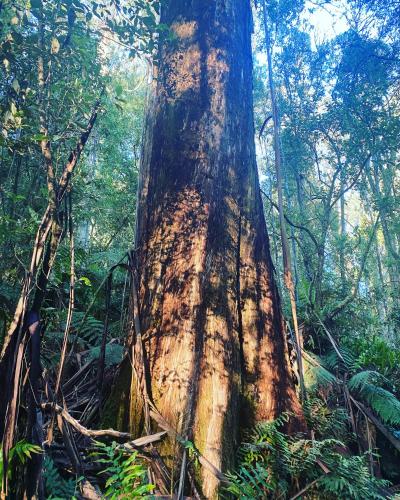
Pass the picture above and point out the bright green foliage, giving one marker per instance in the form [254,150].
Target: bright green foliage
[339,138]
[85,334]
[375,352]
[383,402]
[78,63]
[126,474]
[250,482]
[316,374]
[350,478]
[367,385]
[339,107]
[342,361]
[88,330]
[274,465]
[21,452]
[113,356]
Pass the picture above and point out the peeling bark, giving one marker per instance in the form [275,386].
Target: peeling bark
[210,311]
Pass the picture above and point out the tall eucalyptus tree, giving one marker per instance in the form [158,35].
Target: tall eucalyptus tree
[210,312]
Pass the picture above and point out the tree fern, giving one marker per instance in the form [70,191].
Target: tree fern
[87,329]
[114,353]
[346,361]
[316,375]
[366,377]
[383,402]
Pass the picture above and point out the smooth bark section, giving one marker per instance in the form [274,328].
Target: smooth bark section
[209,307]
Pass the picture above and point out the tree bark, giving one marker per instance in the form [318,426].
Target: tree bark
[210,312]
[342,234]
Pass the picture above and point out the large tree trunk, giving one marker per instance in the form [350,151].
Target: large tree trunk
[210,310]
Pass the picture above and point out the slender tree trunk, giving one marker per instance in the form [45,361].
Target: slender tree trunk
[321,254]
[342,234]
[393,261]
[306,252]
[286,256]
[383,313]
[210,310]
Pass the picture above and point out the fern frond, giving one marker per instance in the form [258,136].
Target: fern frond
[304,454]
[250,483]
[346,360]
[383,402]
[114,353]
[386,405]
[55,485]
[316,375]
[350,478]
[127,475]
[326,421]
[364,378]
[90,331]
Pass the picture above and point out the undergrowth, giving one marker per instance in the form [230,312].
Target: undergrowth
[274,465]
[126,476]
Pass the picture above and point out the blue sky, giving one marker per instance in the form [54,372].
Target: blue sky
[327,21]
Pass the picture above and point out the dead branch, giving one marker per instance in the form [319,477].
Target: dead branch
[80,428]
[378,424]
[291,223]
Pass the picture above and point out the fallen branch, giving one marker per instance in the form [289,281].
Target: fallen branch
[14,343]
[306,488]
[136,443]
[78,375]
[366,411]
[80,428]
[378,424]
[145,440]
[331,339]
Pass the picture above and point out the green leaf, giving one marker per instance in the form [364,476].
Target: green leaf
[85,280]
[39,137]
[15,85]
[119,89]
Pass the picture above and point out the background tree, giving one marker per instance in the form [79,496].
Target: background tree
[52,57]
